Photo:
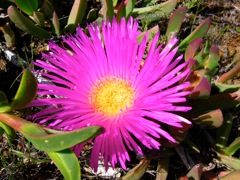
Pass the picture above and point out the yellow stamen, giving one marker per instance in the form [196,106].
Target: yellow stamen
[111,96]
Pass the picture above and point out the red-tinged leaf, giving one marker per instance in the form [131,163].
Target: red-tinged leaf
[76,15]
[56,24]
[199,32]
[233,147]
[27,6]
[67,163]
[200,86]
[121,11]
[213,119]
[192,48]
[26,24]
[195,172]
[138,171]
[228,75]
[107,7]
[43,140]
[175,22]
[39,18]
[162,168]
[26,91]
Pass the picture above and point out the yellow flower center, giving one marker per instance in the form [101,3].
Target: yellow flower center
[111,96]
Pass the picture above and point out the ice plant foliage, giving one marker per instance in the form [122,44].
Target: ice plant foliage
[108,79]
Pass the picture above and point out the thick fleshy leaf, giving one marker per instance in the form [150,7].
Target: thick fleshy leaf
[161,9]
[221,101]
[76,15]
[175,22]
[67,163]
[56,24]
[200,86]
[228,75]
[44,141]
[47,9]
[3,98]
[39,18]
[162,168]
[26,92]
[233,147]
[212,61]
[195,172]
[227,87]
[138,171]
[92,15]
[222,133]
[107,7]
[192,48]
[151,33]
[8,130]
[129,7]
[9,35]
[199,32]
[27,6]
[229,160]
[26,24]
[213,119]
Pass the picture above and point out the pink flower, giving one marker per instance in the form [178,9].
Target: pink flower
[111,80]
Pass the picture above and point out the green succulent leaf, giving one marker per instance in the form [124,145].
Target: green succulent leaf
[108,11]
[223,101]
[222,133]
[199,32]
[229,160]
[9,35]
[47,9]
[26,25]
[27,6]
[26,92]
[175,22]
[233,147]
[213,58]
[3,98]
[8,130]
[56,24]
[129,8]
[39,18]
[161,9]
[76,15]
[67,163]
[227,87]
[138,171]
[45,141]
